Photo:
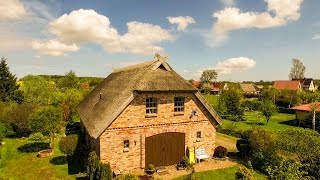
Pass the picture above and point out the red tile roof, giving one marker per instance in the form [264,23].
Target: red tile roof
[196,84]
[307,107]
[293,85]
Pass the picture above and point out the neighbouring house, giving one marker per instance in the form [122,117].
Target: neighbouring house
[218,87]
[196,84]
[304,110]
[307,84]
[146,114]
[249,88]
[292,85]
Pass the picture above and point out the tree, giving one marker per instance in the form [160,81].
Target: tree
[37,90]
[71,99]
[297,70]
[9,90]
[268,109]
[231,100]
[208,75]
[69,81]
[46,120]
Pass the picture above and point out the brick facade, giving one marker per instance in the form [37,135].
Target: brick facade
[134,125]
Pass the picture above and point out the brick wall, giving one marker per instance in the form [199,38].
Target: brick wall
[135,126]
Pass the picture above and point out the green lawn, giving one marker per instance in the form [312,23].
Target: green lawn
[279,121]
[15,164]
[223,174]
[211,99]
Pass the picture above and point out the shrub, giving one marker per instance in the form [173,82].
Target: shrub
[68,144]
[244,147]
[37,137]
[93,165]
[2,131]
[220,152]
[104,172]
[244,174]
[127,177]
[286,169]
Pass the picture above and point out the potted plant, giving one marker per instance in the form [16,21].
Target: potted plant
[184,163]
[150,169]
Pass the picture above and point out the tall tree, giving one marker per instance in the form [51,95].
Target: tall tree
[9,90]
[297,70]
[208,75]
[69,81]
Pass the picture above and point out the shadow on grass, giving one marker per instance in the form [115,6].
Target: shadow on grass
[33,147]
[82,178]
[59,160]
[292,122]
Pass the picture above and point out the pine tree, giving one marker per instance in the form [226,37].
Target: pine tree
[9,90]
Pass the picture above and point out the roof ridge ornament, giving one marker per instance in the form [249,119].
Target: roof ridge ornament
[161,61]
[161,58]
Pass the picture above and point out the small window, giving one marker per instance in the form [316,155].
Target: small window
[126,144]
[151,105]
[199,134]
[178,104]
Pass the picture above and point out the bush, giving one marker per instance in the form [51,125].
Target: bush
[97,170]
[127,177]
[37,137]
[68,144]
[244,174]
[286,169]
[2,131]
[93,165]
[220,152]
[244,147]
[104,172]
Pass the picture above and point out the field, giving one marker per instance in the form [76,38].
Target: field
[19,162]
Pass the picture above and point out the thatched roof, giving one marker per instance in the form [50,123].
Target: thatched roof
[106,102]
[247,88]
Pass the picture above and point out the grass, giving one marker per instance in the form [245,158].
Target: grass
[278,122]
[223,174]
[211,99]
[15,164]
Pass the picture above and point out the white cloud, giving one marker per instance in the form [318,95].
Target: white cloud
[230,19]
[53,47]
[87,26]
[228,2]
[12,9]
[316,36]
[238,64]
[182,21]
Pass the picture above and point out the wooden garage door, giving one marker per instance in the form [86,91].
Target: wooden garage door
[165,149]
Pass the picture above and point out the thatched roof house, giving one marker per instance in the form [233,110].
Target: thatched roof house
[118,110]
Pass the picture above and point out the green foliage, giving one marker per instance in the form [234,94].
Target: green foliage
[97,170]
[37,137]
[220,152]
[46,120]
[231,100]
[93,165]
[2,131]
[208,75]
[244,174]
[127,177]
[286,169]
[69,81]
[104,172]
[9,90]
[267,109]
[68,144]
[18,118]
[38,90]
[71,99]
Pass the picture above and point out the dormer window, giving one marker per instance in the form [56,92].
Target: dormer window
[179,104]
[151,105]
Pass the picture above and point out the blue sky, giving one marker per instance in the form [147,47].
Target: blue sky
[242,40]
